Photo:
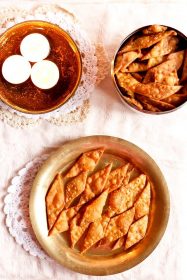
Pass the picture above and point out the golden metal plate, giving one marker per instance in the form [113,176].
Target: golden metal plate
[26,97]
[97,262]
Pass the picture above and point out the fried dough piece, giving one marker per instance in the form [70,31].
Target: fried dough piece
[152,90]
[142,205]
[163,47]
[130,93]
[155,28]
[127,58]
[76,231]
[86,162]
[177,59]
[184,69]
[95,232]
[146,41]
[118,63]
[94,209]
[136,232]
[118,226]
[127,177]
[75,187]
[60,225]
[55,200]
[149,107]
[134,102]
[92,213]
[159,104]
[137,76]
[119,243]
[173,63]
[176,99]
[124,198]
[62,222]
[126,81]
[137,67]
[95,184]
[167,78]
[154,61]
[116,178]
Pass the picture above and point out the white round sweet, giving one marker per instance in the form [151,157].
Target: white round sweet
[16,69]
[35,47]
[45,74]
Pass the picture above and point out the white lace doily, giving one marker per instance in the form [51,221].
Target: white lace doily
[93,59]
[17,208]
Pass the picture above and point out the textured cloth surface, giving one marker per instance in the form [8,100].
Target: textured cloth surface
[163,137]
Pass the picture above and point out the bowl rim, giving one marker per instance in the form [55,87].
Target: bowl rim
[72,44]
[133,107]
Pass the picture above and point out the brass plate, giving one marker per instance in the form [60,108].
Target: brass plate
[99,263]
[26,97]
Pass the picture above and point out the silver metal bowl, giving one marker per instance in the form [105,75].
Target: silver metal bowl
[120,93]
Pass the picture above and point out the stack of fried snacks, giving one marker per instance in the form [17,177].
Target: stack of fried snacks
[151,69]
[103,207]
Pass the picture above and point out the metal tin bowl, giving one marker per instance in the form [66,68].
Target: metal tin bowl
[26,97]
[180,34]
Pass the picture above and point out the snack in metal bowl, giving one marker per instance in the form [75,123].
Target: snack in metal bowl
[150,69]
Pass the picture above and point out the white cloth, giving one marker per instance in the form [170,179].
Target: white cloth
[163,137]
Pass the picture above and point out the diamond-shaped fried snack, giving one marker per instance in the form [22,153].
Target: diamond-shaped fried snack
[152,90]
[137,76]
[76,231]
[62,222]
[118,63]
[142,205]
[146,41]
[55,200]
[154,61]
[94,209]
[134,102]
[176,61]
[136,232]
[167,78]
[126,81]
[119,243]
[137,67]
[184,69]
[159,104]
[173,63]
[116,178]
[95,232]
[118,226]
[86,162]
[177,98]
[124,60]
[149,107]
[165,46]
[122,199]
[95,184]
[155,28]
[156,90]
[75,187]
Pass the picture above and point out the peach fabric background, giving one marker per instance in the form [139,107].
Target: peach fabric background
[163,137]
